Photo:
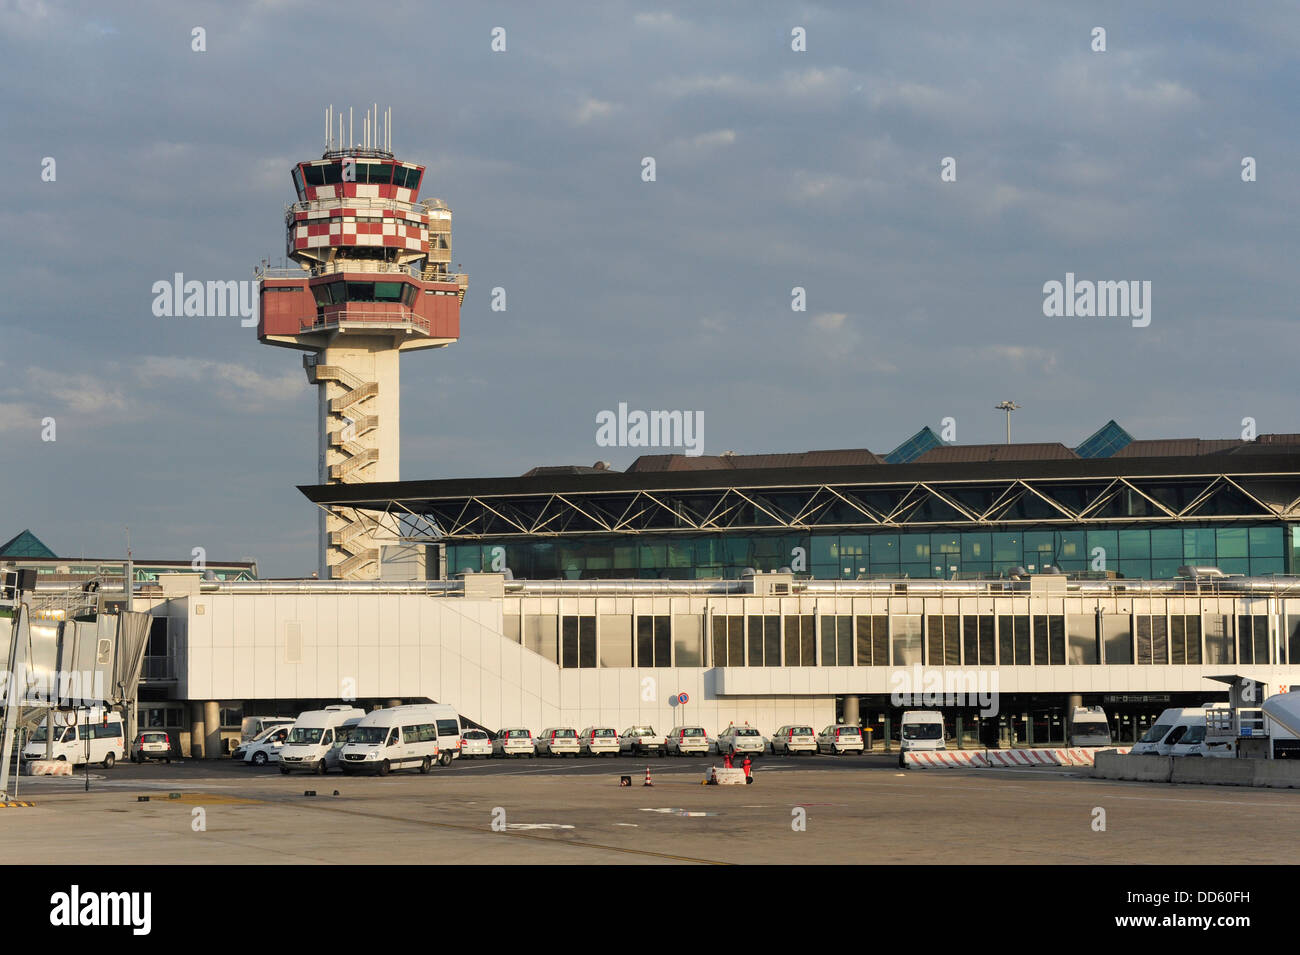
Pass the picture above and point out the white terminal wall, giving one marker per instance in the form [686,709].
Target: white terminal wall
[244,647]
[454,650]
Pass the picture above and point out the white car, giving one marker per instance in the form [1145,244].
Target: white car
[598,741]
[641,741]
[558,741]
[839,738]
[513,741]
[266,747]
[688,740]
[794,739]
[739,740]
[475,743]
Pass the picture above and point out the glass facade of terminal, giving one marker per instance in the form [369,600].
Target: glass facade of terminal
[1146,552]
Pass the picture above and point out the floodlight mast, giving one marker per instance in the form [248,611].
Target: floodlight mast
[1008,407]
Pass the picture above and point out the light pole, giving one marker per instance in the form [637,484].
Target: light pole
[1008,407]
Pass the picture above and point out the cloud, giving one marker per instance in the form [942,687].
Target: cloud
[77,392]
[830,321]
[592,108]
[226,379]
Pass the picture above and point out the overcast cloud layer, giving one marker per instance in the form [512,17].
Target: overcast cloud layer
[775,169]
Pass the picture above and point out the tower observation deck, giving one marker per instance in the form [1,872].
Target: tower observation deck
[372,280]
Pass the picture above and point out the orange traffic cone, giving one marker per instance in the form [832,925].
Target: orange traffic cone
[647,782]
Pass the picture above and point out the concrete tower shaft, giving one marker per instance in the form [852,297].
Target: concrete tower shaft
[372,280]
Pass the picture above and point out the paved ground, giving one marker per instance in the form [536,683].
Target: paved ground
[858,810]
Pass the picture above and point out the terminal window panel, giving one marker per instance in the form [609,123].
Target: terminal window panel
[801,641]
[1152,639]
[1218,638]
[1013,639]
[765,640]
[1049,640]
[1185,638]
[943,644]
[654,641]
[837,641]
[541,636]
[1083,640]
[873,640]
[688,640]
[615,640]
[1252,638]
[578,642]
[1117,638]
[978,640]
[1293,639]
[906,639]
[728,641]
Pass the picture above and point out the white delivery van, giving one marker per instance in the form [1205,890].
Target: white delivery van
[1198,741]
[315,739]
[253,726]
[1169,729]
[1089,727]
[104,736]
[921,730]
[403,737]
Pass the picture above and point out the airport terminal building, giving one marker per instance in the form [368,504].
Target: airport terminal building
[776,589]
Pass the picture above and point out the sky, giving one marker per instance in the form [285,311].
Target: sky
[775,169]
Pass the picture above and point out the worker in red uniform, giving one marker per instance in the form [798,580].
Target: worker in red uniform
[726,761]
[746,765]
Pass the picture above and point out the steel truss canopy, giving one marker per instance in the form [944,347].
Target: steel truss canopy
[1098,492]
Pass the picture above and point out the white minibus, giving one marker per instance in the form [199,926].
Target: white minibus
[402,737]
[315,740]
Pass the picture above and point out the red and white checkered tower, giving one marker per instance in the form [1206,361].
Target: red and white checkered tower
[372,281]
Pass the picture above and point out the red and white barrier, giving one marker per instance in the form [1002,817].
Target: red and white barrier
[945,759]
[48,767]
[1021,757]
[980,759]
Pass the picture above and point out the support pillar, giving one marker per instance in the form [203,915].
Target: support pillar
[212,730]
[851,717]
[197,732]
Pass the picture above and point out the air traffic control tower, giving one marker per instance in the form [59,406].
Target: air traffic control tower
[372,280]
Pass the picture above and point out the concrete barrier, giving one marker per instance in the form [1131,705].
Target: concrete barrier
[1212,771]
[1109,764]
[1275,773]
[48,767]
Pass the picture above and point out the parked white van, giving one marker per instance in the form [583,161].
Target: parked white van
[315,740]
[1169,729]
[403,737]
[921,730]
[1089,727]
[254,726]
[104,736]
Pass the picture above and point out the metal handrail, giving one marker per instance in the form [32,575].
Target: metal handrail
[357,202]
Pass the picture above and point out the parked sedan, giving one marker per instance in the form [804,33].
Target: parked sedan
[839,739]
[737,740]
[475,743]
[598,741]
[794,739]
[514,741]
[558,741]
[152,744]
[688,740]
